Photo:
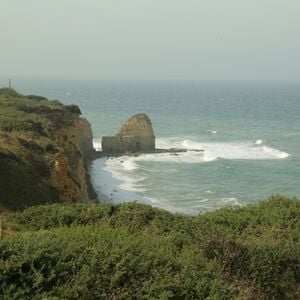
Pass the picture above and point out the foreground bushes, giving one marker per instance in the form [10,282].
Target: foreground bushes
[88,263]
[134,251]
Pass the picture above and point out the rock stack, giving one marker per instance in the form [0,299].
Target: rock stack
[136,135]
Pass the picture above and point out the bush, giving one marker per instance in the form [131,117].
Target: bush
[88,263]
[72,108]
[35,97]
[9,93]
[134,251]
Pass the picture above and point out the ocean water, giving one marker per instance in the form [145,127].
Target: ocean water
[249,131]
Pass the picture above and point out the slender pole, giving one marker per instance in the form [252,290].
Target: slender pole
[9,83]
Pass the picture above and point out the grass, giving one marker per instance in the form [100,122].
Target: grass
[134,251]
[33,113]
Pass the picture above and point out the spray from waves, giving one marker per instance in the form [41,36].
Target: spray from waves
[212,150]
[97,144]
[124,168]
[274,152]
[127,178]
[120,185]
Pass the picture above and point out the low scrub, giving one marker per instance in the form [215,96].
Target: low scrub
[134,251]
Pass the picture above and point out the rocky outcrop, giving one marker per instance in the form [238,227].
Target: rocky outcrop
[44,153]
[136,135]
[86,138]
[69,166]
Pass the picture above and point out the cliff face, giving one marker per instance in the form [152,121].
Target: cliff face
[85,138]
[44,151]
[69,166]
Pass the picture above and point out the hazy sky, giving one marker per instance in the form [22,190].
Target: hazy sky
[151,39]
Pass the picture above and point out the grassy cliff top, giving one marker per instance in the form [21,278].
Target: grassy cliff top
[32,113]
[133,251]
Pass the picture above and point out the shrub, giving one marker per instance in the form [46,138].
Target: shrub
[72,108]
[35,97]
[88,263]
[9,93]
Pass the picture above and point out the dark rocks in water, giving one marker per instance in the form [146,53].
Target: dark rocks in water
[136,135]
[171,151]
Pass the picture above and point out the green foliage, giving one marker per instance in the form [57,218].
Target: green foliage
[72,108]
[33,113]
[88,263]
[134,251]
[9,92]
[35,97]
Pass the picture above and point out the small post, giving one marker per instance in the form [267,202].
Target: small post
[9,83]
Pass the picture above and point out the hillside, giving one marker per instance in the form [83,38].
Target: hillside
[134,251]
[44,147]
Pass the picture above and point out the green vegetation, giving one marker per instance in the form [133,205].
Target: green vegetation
[33,113]
[133,251]
[28,142]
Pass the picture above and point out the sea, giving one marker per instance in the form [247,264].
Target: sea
[249,133]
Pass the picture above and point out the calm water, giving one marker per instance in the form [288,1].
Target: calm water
[250,134]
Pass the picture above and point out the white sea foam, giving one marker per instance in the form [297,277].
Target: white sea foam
[274,152]
[209,192]
[113,184]
[97,144]
[123,168]
[213,150]
[231,201]
[123,178]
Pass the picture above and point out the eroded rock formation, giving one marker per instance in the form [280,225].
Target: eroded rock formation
[136,135]
[43,153]
[69,173]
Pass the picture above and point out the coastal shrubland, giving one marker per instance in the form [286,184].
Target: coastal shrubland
[134,251]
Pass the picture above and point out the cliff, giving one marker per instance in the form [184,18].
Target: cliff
[44,150]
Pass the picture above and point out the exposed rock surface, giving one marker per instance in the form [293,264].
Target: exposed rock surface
[86,138]
[69,173]
[136,135]
[43,153]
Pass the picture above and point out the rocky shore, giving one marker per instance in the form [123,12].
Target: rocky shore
[171,151]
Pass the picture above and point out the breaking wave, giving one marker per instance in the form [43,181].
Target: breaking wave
[214,150]
[126,179]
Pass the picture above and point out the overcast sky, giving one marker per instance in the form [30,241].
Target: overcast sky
[151,39]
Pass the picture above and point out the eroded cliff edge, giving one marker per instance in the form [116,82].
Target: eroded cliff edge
[45,148]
